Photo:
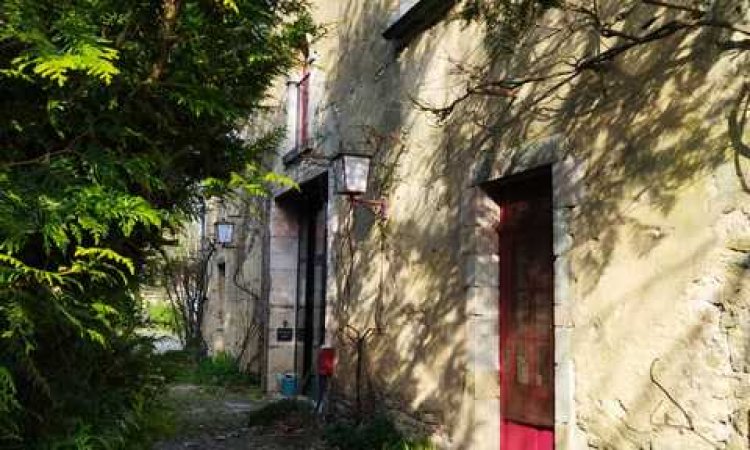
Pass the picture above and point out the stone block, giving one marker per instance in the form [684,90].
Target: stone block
[282,223]
[280,360]
[568,177]
[482,240]
[488,240]
[481,270]
[477,208]
[570,437]
[562,243]
[479,240]
[282,280]
[484,335]
[281,261]
[563,315]
[468,212]
[284,246]
[486,384]
[282,298]
[562,280]
[278,317]
[468,240]
[485,434]
[562,240]
[561,435]
[563,344]
[482,301]
[530,155]
[564,392]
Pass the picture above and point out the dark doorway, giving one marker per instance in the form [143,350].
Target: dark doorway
[310,206]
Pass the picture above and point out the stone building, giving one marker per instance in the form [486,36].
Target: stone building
[564,264]
[234,315]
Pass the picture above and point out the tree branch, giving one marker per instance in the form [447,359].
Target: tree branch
[170,12]
[673,6]
[509,87]
[69,148]
[743,44]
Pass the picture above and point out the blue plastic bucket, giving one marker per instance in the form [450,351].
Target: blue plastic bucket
[289,385]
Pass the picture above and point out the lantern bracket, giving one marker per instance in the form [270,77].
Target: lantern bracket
[379,207]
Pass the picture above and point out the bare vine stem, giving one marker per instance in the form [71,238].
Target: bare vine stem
[665,391]
[508,87]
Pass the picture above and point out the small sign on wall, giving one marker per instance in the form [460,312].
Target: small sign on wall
[284,334]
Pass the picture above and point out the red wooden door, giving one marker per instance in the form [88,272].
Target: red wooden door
[526,333]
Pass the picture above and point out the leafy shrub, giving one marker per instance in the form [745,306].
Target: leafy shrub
[220,369]
[290,412]
[107,146]
[177,366]
[102,397]
[162,316]
[377,433]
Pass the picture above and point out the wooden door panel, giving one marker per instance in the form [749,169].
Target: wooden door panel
[526,334]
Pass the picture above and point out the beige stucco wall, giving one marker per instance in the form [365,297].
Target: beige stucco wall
[234,319]
[652,255]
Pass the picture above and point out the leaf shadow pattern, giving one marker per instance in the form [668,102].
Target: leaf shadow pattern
[648,126]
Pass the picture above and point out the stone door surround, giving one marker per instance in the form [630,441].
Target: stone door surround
[479,247]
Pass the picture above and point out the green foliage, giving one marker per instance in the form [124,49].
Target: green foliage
[286,411]
[112,114]
[378,432]
[162,316]
[177,366]
[221,369]
[9,406]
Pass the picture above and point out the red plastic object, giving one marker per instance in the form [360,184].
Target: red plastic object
[326,361]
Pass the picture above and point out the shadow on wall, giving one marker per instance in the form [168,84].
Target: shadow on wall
[658,120]
[646,125]
[414,358]
[649,127]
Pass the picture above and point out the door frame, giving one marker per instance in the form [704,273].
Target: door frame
[284,280]
[534,189]
[480,250]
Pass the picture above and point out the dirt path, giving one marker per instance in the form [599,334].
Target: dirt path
[210,418]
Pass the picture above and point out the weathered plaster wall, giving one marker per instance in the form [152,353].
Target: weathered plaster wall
[652,222]
[234,318]
[406,280]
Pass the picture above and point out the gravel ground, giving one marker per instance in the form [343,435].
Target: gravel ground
[216,419]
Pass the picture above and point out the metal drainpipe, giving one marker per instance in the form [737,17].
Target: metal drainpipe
[297,294]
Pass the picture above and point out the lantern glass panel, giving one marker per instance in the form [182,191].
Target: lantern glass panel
[224,232]
[338,175]
[351,174]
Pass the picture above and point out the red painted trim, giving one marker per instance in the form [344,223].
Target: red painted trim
[303,104]
[526,417]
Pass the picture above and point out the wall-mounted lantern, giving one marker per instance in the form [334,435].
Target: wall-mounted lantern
[351,172]
[224,232]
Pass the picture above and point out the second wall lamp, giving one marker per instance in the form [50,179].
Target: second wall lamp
[351,172]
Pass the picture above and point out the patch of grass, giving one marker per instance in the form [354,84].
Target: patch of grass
[377,433]
[158,421]
[219,370]
[177,366]
[291,413]
[161,316]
